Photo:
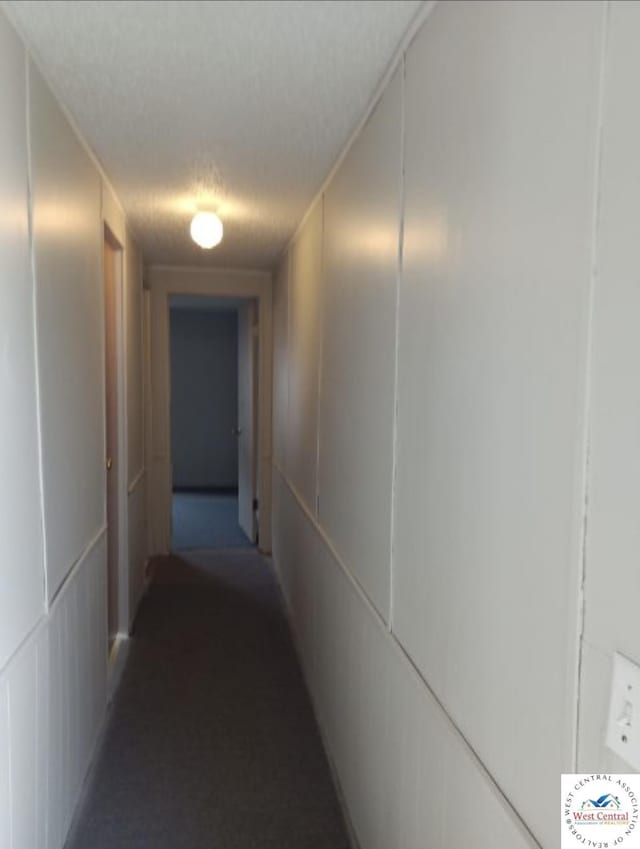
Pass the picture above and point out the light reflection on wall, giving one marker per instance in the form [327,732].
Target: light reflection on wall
[428,243]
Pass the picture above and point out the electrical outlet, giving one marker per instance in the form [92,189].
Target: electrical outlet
[623,728]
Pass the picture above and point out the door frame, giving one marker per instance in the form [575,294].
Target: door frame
[248,324]
[121,464]
[163,282]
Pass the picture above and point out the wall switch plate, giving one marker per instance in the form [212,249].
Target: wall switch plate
[623,727]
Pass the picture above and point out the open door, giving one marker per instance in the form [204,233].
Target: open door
[247,410]
[112,278]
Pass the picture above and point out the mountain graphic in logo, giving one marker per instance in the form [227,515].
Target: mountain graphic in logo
[606,801]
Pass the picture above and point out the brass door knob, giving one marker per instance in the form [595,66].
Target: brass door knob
[109,463]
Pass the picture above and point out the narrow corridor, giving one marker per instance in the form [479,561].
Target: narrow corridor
[372,266]
[211,740]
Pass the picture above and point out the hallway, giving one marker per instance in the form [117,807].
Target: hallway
[413,224]
[211,740]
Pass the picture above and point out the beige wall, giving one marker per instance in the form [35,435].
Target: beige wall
[303,374]
[21,542]
[67,239]
[53,640]
[477,323]
[361,225]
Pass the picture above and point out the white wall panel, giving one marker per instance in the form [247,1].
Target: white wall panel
[137,544]
[408,779]
[55,767]
[504,187]
[361,224]
[77,677]
[68,248]
[53,662]
[23,692]
[21,546]
[5,773]
[52,704]
[42,736]
[303,352]
[612,583]
[500,138]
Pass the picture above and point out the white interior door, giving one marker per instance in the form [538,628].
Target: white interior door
[246,431]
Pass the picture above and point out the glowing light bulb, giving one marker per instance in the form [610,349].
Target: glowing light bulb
[206,229]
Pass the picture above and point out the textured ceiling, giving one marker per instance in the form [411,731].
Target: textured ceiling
[241,107]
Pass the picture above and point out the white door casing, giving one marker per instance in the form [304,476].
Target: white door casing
[164,281]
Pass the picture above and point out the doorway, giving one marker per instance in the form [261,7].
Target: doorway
[112,270]
[214,386]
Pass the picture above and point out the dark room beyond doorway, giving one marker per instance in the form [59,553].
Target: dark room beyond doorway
[205,429]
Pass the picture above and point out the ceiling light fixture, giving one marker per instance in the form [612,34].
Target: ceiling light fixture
[206,229]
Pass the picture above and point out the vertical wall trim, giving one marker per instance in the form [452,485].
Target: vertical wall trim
[588,387]
[394,458]
[34,308]
[320,351]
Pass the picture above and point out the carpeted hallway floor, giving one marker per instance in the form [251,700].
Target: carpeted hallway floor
[211,742]
[206,521]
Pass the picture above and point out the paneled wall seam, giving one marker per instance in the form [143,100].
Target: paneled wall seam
[34,305]
[394,448]
[588,383]
[327,541]
[15,654]
[76,565]
[398,647]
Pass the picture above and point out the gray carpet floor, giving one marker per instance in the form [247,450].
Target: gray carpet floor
[205,521]
[211,742]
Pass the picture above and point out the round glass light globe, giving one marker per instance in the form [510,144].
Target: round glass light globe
[206,229]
